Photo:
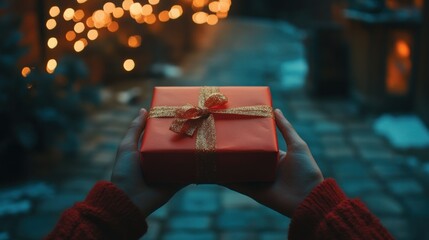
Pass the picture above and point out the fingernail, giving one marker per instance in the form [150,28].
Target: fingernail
[279,111]
[142,111]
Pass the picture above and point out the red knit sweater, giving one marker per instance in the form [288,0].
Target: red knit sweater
[326,213]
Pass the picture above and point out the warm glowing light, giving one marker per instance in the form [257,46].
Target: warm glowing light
[51,65]
[134,41]
[101,19]
[118,12]
[78,15]
[175,11]
[129,65]
[135,9]
[25,71]
[79,27]
[163,16]
[52,42]
[51,24]
[214,6]
[199,17]
[68,14]
[222,14]
[85,42]
[54,11]
[224,5]
[70,35]
[151,19]
[126,4]
[109,7]
[146,10]
[402,49]
[79,46]
[113,27]
[199,3]
[81,1]
[92,34]
[212,19]
[99,16]
[140,19]
[153,2]
[90,22]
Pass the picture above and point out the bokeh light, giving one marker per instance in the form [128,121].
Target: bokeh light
[118,12]
[92,34]
[79,27]
[52,42]
[68,14]
[163,16]
[129,65]
[25,71]
[134,41]
[51,65]
[79,46]
[70,35]
[54,11]
[51,24]
[175,12]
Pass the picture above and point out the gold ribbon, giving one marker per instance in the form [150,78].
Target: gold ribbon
[189,119]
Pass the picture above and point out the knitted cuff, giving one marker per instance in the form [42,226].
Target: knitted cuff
[321,200]
[113,206]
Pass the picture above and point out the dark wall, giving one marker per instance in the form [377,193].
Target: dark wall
[422,84]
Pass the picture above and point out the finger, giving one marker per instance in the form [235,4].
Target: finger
[136,128]
[289,134]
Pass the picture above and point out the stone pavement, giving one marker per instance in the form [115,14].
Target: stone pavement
[393,184]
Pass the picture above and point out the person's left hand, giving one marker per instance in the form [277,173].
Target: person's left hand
[127,174]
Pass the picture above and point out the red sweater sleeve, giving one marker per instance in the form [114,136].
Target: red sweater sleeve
[106,213]
[326,213]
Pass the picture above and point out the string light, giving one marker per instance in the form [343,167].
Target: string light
[25,71]
[163,16]
[52,42]
[79,27]
[51,24]
[151,19]
[126,4]
[199,17]
[78,15]
[135,9]
[79,46]
[212,19]
[109,7]
[51,65]
[70,35]
[106,16]
[54,11]
[129,65]
[113,27]
[92,34]
[118,12]
[134,41]
[175,12]
[68,14]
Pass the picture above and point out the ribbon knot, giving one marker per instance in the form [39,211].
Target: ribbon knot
[188,118]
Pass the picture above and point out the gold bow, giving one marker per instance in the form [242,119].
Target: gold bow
[190,118]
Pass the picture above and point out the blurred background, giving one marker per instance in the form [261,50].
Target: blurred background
[351,75]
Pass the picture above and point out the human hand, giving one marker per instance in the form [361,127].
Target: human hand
[127,174]
[297,174]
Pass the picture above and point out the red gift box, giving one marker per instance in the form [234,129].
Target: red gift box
[245,148]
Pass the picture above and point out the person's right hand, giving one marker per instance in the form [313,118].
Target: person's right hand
[297,174]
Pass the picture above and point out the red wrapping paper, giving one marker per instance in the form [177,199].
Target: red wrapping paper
[246,147]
